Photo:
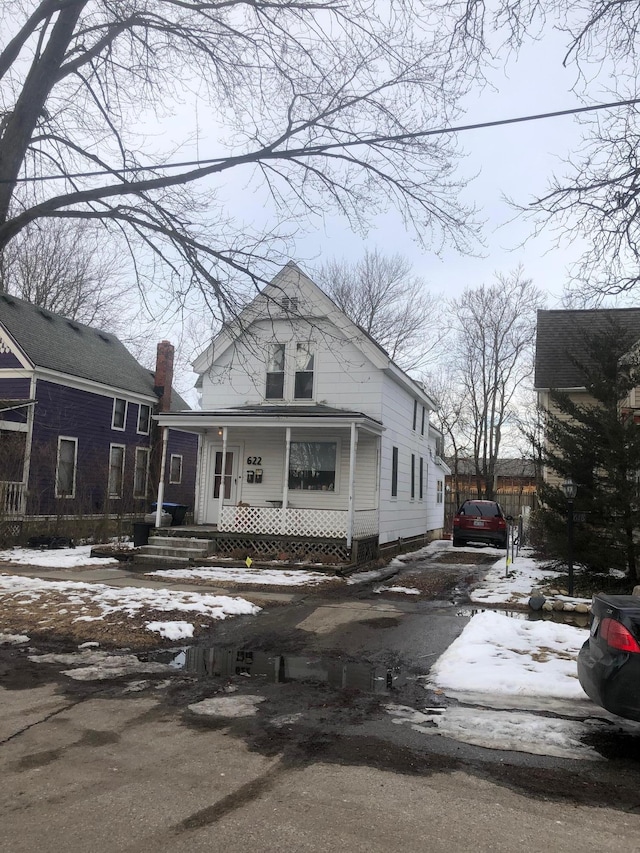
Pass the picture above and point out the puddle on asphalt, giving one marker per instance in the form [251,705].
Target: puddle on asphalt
[224,662]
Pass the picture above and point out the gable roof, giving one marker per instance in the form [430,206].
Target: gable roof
[53,342]
[287,282]
[561,334]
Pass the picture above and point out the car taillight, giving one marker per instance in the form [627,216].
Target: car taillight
[618,637]
[502,524]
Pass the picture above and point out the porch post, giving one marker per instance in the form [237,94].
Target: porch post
[285,480]
[223,468]
[165,440]
[352,471]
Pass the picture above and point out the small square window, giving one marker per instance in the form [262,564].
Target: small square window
[175,468]
[119,418]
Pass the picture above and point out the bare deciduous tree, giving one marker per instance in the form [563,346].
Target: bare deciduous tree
[320,103]
[596,199]
[382,295]
[495,328]
[65,268]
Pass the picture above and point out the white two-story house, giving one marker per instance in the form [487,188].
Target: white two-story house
[312,442]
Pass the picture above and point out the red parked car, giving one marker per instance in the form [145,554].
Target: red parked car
[480,521]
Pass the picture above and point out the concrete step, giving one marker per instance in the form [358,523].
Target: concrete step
[160,560]
[189,550]
[179,541]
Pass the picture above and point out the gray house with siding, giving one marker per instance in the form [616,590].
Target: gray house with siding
[77,430]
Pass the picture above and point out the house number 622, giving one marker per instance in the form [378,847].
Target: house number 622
[254,460]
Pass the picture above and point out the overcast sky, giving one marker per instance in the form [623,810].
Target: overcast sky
[515,161]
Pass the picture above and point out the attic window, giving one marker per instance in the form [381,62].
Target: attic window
[45,315]
[289,303]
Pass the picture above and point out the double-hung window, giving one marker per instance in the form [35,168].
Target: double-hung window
[415,414]
[119,417]
[303,386]
[144,419]
[175,468]
[421,475]
[413,476]
[116,470]
[141,472]
[439,492]
[66,467]
[275,373]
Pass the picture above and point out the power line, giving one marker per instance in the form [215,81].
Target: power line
[123,171]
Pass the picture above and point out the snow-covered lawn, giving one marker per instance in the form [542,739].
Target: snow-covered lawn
[259,577]
[56,558]
[86,609]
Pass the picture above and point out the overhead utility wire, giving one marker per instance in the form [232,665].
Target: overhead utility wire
[415,135]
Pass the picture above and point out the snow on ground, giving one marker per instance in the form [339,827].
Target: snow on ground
[508,675]
[58,558]
[262,577]
[95,602]
[501,655]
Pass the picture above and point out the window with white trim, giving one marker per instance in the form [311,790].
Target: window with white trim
[312,465]
[144,419]
[66,467]
[275,373]
[439,492]
[119,417]
[175,468]
[415,414]
[116,469]
[141,472]
[303,384]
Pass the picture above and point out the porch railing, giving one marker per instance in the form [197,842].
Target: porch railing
[292,521]
[12,498]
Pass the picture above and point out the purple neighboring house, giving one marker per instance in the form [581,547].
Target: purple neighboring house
[77,432]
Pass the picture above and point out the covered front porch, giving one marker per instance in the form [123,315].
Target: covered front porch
[287,474]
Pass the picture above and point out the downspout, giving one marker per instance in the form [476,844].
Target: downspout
[285,483]
[165,441]
[352,469]
[223,468]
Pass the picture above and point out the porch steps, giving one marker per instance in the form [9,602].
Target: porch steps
[171,549]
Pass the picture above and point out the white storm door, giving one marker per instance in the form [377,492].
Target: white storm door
[219,479]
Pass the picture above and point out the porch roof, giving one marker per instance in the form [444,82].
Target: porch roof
[269,416]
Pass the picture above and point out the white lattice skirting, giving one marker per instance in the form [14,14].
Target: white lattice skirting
[321,523]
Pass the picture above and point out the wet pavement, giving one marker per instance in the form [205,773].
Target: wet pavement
[307,683]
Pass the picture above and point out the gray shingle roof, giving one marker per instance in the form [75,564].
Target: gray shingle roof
[56,343]
[561,334]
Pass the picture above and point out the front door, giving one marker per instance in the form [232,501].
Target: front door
[219,479]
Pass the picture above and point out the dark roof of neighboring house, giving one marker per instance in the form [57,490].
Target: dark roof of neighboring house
[56,343]
[270,411]
[561,334]
[504,467]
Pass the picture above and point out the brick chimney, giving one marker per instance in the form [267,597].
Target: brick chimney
[164,375]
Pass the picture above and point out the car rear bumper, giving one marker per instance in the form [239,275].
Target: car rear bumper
[487,537]
[611,680]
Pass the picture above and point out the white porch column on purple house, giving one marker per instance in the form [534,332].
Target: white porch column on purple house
[352,471]
[223,469]
[165,440]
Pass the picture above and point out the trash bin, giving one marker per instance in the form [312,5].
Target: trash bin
[176,511]
[141,533]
